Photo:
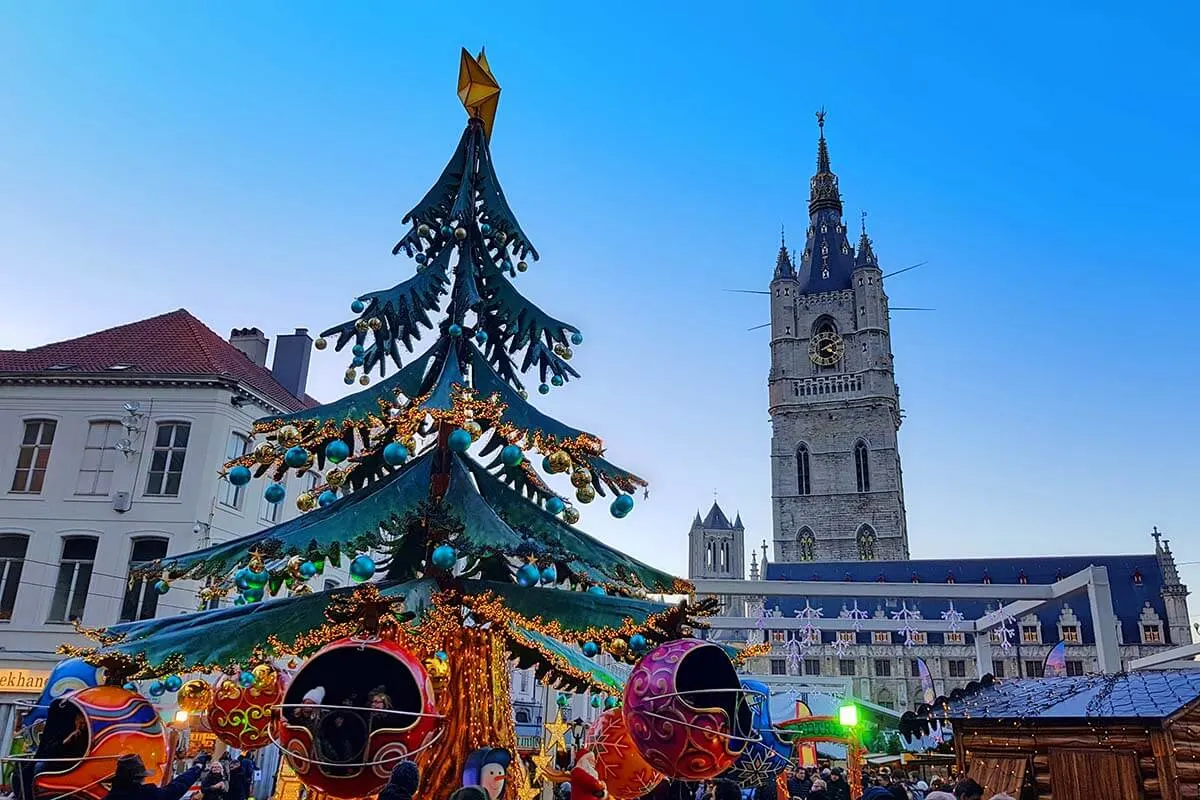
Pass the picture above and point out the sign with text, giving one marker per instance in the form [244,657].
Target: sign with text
[24,681]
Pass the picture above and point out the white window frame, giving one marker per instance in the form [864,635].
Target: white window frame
[233,496]
[74,590]
[33,473]
[169,450]
[106,458]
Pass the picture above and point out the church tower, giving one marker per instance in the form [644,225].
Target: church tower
[716,546]
[836,487]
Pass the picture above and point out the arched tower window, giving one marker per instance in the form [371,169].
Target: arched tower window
[824,325]
[808,544]
[866,543]
[862,466]
[803,470]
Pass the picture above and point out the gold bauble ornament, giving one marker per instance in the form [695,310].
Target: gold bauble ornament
[306,502]
[265,453]
[374,323]
[288,436]
[423,230]
[335,478]
[320,343]
[581,477]
[361,326]
[364,379]
[460,233]
[559,349]
[567,353]
[522,266]
[585,494]
[501,237]
[474,428]
[559,461]
[351,374]
[265,675]
[524,394]
[195,696]
[570,515]
[618,647]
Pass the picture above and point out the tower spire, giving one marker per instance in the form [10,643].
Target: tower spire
[783,262]
[866,253]
[823,188]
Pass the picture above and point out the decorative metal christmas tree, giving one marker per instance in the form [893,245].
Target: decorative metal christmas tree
[427,481]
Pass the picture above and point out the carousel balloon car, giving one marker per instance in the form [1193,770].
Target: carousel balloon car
[686,710]
[69,675]
[86,732]
[761,761]
[354,711]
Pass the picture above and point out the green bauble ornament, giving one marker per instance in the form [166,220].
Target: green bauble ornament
[581,477]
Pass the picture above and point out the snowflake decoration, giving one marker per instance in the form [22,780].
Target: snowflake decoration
[793,655]
[758,610]
[810,633]
[856,614]
[840,646]
[1006,632]
[907,615]
[952,616]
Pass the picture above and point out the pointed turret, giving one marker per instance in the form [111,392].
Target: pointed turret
[866,253]
[697,522]
[828,258]
[737,522]
[783,262]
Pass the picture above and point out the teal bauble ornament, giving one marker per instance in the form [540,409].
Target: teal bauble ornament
[547,467]
[421,258]
[622,504]
[549,574]
[440,655]
[597,590]
[595,701]
[162,587]
[557,380]
[246,679]
[129,687]
[443,556]
[395,454]
[337,451]
[357,306]
[577,338]
[485,229]
[295,457]
[256,580]
[157,689]
[308,570]
[481,336]
[362,569]
[459,440]
[543,388]
[591,649]
[327,497]
[455,330]
[239,475]
[528,575]
[274,493]
[241,579]
[611,703]
[358,350]
[173,683]
[447,230]
[637,643]
[555,505]
[239,601]
[511,455]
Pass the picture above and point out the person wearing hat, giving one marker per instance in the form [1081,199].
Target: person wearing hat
[403,783]
[836,785]
[128,781]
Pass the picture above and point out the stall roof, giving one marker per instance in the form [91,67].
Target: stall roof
[1127,695]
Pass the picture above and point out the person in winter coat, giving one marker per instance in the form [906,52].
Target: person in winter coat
[214,785]
[403,783]
[727,790]
[968,789]
[819,790]
[837,786]
[877,793]
[128,780]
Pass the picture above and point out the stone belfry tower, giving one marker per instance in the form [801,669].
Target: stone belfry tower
[836,487]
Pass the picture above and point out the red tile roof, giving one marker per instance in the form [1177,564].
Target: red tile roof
[175,343]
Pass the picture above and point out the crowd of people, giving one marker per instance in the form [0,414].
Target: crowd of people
[832,783]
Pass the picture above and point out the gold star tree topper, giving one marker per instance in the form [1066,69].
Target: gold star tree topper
[478,90]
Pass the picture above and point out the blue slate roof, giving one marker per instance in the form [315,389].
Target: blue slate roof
[1126,696]
[1124,573]
[716,519]
[828,258]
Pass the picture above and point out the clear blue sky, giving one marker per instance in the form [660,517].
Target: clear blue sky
[252,162]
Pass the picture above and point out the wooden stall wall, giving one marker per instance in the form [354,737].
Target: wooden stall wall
[1180,751]
[1132,748]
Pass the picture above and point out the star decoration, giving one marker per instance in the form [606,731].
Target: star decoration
[528,791]
[542,762]
[556,734]
[478,89]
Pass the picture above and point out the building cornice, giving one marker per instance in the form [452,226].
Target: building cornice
[232,385]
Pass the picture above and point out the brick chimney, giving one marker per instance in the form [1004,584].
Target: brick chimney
[252,342]
[292,353]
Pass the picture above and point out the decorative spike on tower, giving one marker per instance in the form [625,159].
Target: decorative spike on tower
[828,258]
[823,188]
[866,253]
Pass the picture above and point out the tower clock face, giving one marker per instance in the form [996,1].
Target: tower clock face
[826,349]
